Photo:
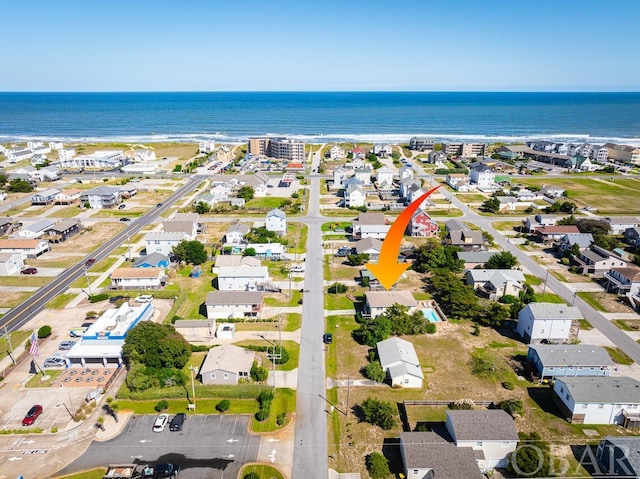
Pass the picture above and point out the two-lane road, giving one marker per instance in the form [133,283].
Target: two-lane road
[29,308]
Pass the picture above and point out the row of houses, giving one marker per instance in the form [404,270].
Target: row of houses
[97,198]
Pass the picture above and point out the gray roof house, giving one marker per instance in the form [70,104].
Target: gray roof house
[559,360]
[597,261]
[491,433]
[233,304]
[455,225]
[236,232]
[550,322]
[399,360]
[465,239]
[370,246]
[34,230]
[618,224]
[426,455]
[496,283]
[474,258]
[377,302]
[226,364]
[599,400]
[619,456]
[583,240]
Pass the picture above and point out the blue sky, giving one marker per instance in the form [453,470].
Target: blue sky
[495,45]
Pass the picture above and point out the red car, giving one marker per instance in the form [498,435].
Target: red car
[29,271]
[90,262]
[32,415]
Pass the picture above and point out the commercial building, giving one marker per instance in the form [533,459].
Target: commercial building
[277,147]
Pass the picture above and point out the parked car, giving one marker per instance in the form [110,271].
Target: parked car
[87,325]
[160,471]
[177,422]
[66,345]
[30,270]
[161,422]
[77,332]
[90,262]
[158,205]
[327,338]
[54,362]
[125,219]
[122,206]
[32,415]
[144,298]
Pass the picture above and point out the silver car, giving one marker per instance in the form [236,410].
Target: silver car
[66,345]
[54,362]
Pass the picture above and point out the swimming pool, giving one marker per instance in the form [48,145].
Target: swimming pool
[431,315]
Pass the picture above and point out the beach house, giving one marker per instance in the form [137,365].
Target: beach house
[551,322]
[399,360]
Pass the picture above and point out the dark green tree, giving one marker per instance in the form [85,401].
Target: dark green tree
[374,331]
[3,179]
[258,373]
[246,193]
[377,466]
[192,252]
[156,346]
[492,205]
[494,315]
[18,185]
[502,260]
[374,371]
[532,458]
[457,299]
[357,259]
[379,413]
[202,208]
[249,252]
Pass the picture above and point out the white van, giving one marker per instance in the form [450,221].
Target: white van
[297,268]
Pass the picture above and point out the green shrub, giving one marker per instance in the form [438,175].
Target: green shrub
[512,406]
[265,396]
[430,328]
[379,413]
[161,406]
[508,385]
[251,475]
[262,415]
[44,332]
[336,288]
[98,297]
[223,405]
[377,465]
[199,348]
[284,356]
[258,373]
[374,371]
[281,419]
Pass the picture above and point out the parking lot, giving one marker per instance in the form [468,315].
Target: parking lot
[214,446]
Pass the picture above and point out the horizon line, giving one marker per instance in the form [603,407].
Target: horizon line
[319,91]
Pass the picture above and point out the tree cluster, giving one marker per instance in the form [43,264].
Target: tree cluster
[262,235]
[492,205]
[502,260]
[18,185]
[396,321]
[532,458]
[379,413]
[358,259]
[433,256]
[192,252]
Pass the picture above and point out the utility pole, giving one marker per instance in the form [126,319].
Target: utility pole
[544,289]
[7,336]
[86,274]
[273,357]
[348,389]
[193,386]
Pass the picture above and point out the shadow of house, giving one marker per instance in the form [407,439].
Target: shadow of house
[191,463]
[391,450]
[543,397]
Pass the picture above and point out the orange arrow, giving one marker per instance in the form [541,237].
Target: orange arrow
[388,270]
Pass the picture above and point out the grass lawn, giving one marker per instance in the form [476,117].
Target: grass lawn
[280,299]
[60,301]
[627,324]
[92,474]
[25,280]
[203,406]
[262,470]
[17,337]
[269,202]
[11,299]
[586,325]
[67,212]
[532,279]
[337,301]
[559,276]
[335,225]
[344,354]
[297,235]
[130,212]
[37,382]
[618,356]
[331,212]
[548,298]
[471,197]
[292,348]
[104,265]
[283,402]
[290,322]
[592,300]
[620,196]
[506,225]
[34,211]
[421,296]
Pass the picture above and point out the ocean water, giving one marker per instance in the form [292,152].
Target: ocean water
[321,116]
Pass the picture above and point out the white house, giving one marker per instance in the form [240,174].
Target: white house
[370,225]
[206,147]
[491,432]
[99,159]
[354,196]
[138,278]
[10,263]
[406,172]
[226,364]
[382,149]
[597,400]
[399,360]
[496,283]
[458,181]
[67,197]
[337,153]
[45,197]
[102,197]
[363,174]
[28,248]
[34,230]
[482,176]
[163,242]
[276,220]
[236,232]
[234,304]
[377,302]
[384,177]
[242,278]
[339,175]
[619,224]
[183,223]
[547,321]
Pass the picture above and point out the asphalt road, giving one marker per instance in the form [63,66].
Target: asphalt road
[211,446]
[26,310]
[310,450]
[597,320]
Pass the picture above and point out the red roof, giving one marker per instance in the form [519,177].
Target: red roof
[357,150]
[295,166]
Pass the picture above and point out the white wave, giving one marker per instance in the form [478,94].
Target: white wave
[323,138]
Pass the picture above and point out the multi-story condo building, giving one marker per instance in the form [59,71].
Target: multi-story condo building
[471,150]
[281,148]
[623,153]
[421,144]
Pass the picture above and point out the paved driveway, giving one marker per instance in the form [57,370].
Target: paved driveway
[208,446]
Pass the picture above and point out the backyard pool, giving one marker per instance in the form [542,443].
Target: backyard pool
[431,315]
